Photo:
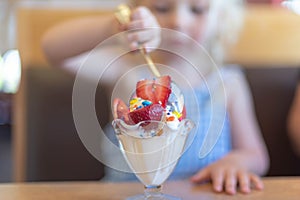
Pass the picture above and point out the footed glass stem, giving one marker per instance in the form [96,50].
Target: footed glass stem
[153,193]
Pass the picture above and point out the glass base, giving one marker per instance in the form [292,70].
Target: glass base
[153,197]
[153,192]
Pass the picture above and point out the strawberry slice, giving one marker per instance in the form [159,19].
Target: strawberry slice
[121,111]
[157,91]
[152,112]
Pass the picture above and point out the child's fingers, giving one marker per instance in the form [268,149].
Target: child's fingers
[244,182]
[141,36]
[147,38]
[134,46]
[218,180]
[144,30]
[140,24]
[201,176]
[230,182]
[142,18]
[149,46]
[140,13]
[257,182]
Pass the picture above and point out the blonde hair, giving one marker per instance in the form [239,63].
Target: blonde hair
[225,20]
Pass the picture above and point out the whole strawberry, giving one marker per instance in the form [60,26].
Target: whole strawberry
[156,90]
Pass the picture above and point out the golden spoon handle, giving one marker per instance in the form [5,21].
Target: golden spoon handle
[123,15]
[150,63]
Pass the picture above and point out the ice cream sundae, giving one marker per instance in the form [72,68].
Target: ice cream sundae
[152,129]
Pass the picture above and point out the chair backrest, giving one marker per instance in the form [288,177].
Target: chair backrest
[54,150]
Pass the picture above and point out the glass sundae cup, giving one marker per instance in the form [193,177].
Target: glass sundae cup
[152,149]
[151,139]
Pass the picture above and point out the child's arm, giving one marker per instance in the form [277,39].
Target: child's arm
[294,121]
[77,36]
[249,155]
[71,38]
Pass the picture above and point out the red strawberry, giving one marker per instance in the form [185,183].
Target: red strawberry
[121,111]
[152,112]
[157,91]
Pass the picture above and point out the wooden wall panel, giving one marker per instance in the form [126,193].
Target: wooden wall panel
[32,24]
[271,37]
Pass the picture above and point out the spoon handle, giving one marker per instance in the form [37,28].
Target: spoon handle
[150,63]
[123,16]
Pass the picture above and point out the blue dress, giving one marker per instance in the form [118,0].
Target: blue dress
[212,137]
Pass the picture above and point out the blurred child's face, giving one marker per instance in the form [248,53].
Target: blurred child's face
[186,16]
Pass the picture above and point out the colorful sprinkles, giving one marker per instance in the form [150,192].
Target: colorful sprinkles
[138,103]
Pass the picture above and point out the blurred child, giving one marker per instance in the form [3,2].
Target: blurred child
[239,156]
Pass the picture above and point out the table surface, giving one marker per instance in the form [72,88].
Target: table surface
[275,188]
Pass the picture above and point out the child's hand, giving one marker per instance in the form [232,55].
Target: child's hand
[226,176]
[144,30]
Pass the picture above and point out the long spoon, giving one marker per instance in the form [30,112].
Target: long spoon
[123,15]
